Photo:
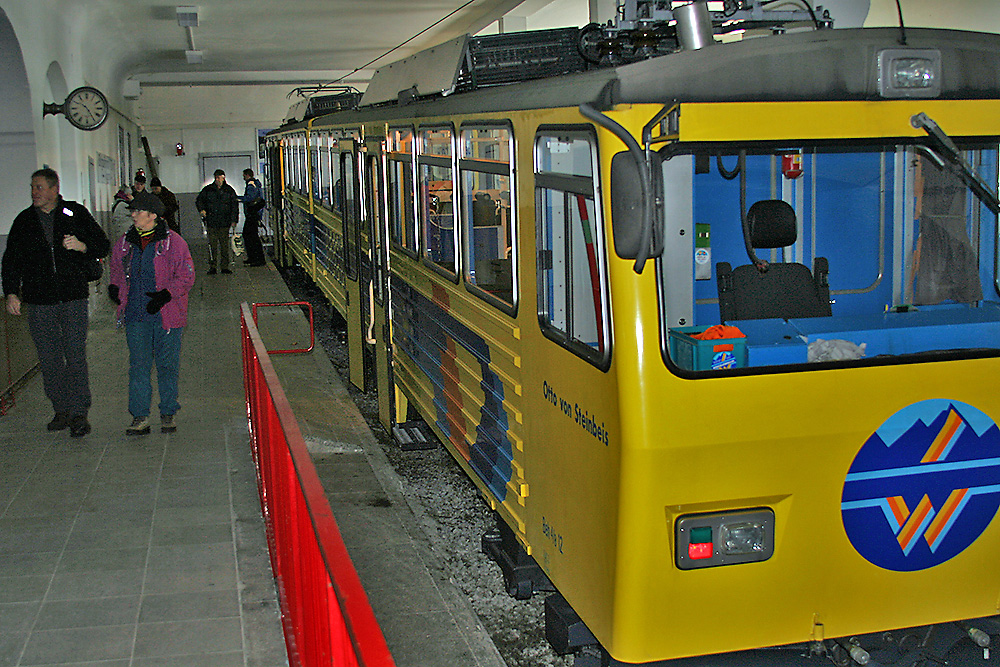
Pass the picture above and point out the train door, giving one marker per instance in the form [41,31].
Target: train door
[275,158]
[352,262]
[380,331]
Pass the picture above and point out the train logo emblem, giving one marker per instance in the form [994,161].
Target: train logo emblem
[723,360]
[924,486]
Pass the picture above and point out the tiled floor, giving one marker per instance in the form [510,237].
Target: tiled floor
[121,551]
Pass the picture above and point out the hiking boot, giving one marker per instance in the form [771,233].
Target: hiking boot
[210,272]
[60,421]
[167,424]
[78,426]
[226,271]
[139,426]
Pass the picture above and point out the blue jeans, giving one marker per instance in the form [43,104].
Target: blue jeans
[149,342]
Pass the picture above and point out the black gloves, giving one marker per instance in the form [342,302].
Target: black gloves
[156,301]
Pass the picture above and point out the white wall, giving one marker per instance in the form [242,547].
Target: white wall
[182,174]
[560,14]
[206,119]
[58,58]
[979,15]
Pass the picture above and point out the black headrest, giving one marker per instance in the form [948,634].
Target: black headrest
[772,224]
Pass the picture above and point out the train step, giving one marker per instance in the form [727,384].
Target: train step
[413,435]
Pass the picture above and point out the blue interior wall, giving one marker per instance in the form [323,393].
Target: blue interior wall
[847,200]
[989,170]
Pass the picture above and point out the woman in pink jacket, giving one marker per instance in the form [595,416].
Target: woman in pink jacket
[151,274]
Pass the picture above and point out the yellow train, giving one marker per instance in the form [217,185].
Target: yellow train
[715,332]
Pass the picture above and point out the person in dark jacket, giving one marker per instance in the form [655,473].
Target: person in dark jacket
[219,207]
[170,205]
[253,204]
[44,275]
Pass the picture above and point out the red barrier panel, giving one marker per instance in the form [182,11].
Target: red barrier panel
[324,610]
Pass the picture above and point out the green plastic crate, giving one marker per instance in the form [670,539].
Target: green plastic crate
[703,355]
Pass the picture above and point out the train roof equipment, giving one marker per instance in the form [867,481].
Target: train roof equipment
[642,29]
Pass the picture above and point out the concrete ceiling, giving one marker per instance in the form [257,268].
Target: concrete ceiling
[262,41]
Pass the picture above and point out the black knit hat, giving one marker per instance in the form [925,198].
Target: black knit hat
[145,201]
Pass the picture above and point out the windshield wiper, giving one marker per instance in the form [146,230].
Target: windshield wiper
[950,151]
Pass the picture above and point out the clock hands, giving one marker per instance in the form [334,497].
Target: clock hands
[81,104]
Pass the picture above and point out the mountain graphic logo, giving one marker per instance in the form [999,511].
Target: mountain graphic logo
[924,486]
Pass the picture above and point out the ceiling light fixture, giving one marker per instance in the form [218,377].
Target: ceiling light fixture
[187,17]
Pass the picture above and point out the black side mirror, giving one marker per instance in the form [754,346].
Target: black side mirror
[627,209]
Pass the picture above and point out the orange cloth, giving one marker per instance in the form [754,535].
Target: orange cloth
[719,331]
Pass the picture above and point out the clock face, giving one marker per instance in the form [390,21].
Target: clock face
[86,108]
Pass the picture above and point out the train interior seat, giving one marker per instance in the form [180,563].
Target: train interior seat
[785,289]
[484,210]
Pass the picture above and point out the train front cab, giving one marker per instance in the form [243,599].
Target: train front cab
[810,478]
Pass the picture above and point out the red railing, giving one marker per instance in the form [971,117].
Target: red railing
[324,610]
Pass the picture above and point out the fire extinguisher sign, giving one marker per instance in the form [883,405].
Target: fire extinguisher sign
[791,165]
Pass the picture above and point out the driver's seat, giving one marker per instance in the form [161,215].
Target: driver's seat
[785,289]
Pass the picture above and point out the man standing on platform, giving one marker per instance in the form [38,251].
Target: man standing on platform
[138,184]
[44,274]
[253,204]
[219,207]
[170,205]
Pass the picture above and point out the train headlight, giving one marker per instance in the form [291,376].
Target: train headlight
[724,538]
[743,537]
[909,73]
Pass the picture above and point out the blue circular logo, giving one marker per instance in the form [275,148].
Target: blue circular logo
[924,486]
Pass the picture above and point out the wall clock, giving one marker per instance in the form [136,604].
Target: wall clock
[85,108]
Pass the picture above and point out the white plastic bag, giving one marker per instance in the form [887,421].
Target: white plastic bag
[236,241]
[835,350]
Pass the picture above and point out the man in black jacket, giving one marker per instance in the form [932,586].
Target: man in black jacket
[170,205]
[219,207]
[44,274]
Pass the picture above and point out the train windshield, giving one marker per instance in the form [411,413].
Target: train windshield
[805,254]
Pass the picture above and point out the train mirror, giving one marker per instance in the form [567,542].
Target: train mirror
[626,208]
[626,205]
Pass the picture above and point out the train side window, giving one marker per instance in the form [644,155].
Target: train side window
[286,158]
[296,186]
[487,212]
[323,171]
[402,225]
[437,215]
[314,167]
[373,203]
[336,198]
[300,164]
[350,213]
[571,265]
